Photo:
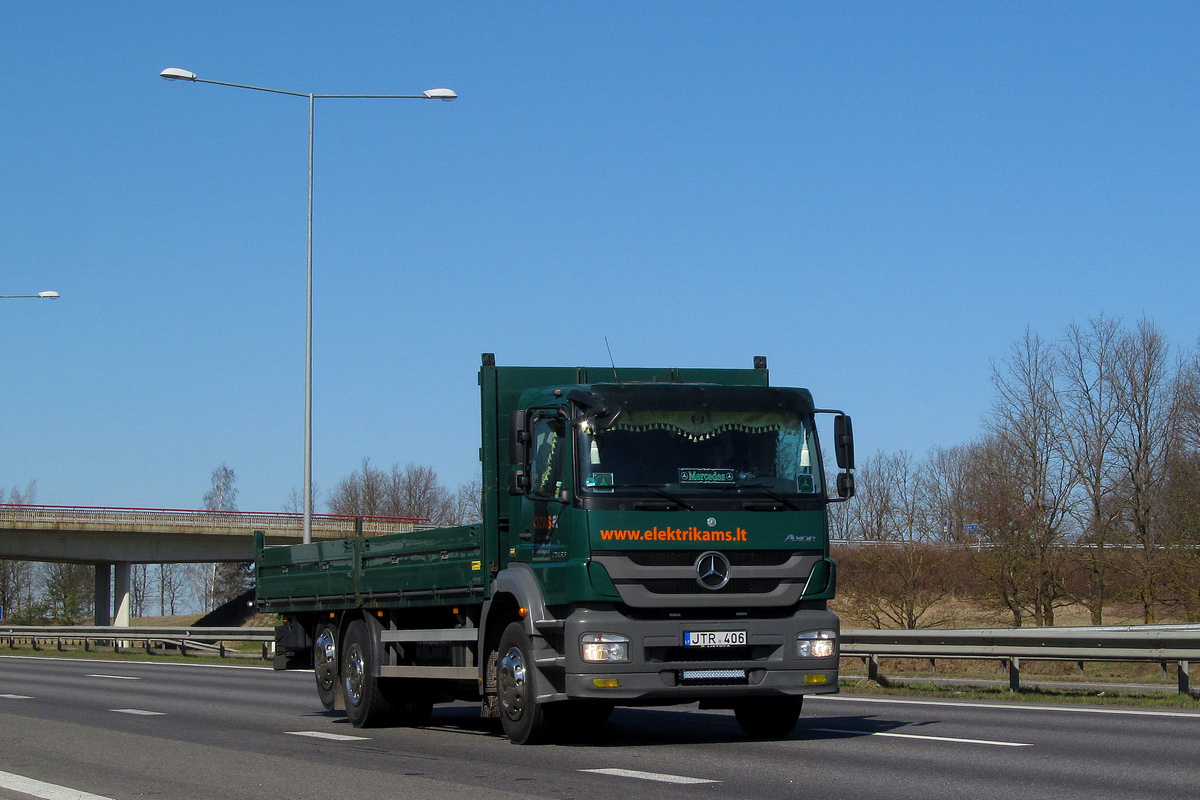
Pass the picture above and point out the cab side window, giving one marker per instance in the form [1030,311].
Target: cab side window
[549,456]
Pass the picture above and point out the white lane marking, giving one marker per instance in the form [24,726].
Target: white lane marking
[16,696]
[47,791]
[649,776]
[139,712]
[115,677]
[1009,706]
[333,737]
[921,736]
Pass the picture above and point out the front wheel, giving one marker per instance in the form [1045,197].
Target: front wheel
[524,719]
[768,717]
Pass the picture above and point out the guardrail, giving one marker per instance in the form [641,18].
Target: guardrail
[31,517]
[1160,644]
[196,638]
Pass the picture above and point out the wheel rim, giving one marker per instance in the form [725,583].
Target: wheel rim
[355,672]
[511,683]
[325,659]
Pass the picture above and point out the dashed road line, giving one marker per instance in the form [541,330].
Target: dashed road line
[115,677]
[16,696]
[46,791]
[951,739]
[1007,706]
[648,776]
[333,737]
[140,712]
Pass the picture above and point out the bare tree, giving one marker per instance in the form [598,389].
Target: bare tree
[896,581]
[1181,524]
[139,586]
[170,588]
[1091,417]
[1027,419]
[360,493]
[413,491]
[1004,557]
[215,584]
[1143,444]
[68,591]
[17,577]
[468,502]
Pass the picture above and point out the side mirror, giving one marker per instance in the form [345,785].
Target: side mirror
[845,485]
[843,443]
[518,437]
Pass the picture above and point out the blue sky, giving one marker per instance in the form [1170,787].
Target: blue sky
[879,197]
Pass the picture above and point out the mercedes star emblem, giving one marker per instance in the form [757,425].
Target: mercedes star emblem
[712,570]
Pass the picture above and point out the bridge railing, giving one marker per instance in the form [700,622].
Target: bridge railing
[113,518]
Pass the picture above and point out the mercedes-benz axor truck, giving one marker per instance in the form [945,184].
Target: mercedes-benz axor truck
[649,537]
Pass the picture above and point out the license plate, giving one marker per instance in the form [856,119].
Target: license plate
[713,638]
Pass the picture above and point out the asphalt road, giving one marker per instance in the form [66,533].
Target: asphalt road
[124,730]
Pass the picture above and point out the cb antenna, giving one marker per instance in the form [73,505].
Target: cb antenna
[611,360]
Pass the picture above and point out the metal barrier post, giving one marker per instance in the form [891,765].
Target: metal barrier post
[1014,674]
[1185,681]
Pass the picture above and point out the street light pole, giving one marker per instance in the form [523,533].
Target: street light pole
[174,74]
[42,295]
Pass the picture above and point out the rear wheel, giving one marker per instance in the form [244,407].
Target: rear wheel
[523,717]
[325,665]
[768,717]
[366,705]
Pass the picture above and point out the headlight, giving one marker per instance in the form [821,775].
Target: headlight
[816,644]
[598,647]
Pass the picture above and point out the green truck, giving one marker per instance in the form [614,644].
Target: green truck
[649,537]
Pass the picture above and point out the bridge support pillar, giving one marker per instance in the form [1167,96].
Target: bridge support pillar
[121,594]
[103,599]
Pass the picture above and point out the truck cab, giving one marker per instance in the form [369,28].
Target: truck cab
[675,528]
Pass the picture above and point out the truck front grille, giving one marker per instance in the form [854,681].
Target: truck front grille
[668,578]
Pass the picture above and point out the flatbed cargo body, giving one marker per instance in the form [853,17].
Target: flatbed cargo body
[661,538]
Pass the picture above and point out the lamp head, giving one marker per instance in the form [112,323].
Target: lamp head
[175,74]
[434,94]
[48,294]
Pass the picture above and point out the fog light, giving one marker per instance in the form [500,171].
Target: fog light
[816,644]
[815,678]
[606,683]
[605,647]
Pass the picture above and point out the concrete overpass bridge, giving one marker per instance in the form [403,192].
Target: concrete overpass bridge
[114,538]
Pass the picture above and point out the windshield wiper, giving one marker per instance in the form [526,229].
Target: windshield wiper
[762,487]
[658,489]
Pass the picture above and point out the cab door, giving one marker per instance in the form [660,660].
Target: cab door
[541,537]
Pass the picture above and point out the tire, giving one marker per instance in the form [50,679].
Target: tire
[325,664]
[412,706]
[524,719]
[366,705]
[768,717]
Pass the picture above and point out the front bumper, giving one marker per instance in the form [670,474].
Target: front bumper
[660,669]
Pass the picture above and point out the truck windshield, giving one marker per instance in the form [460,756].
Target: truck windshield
[699,440]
